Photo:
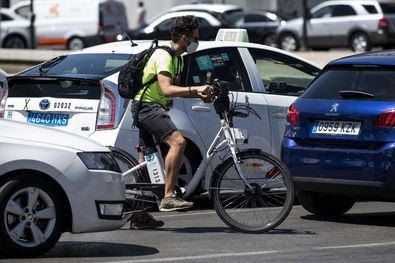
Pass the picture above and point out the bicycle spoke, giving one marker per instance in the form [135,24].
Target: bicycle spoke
[263,205]
[238,198]
[239,207]
[279,199]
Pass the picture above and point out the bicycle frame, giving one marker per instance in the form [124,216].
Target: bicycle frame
[229,141]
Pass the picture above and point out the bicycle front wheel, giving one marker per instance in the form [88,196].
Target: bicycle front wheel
[263,206]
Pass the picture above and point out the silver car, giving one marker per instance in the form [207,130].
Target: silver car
[14,30]
[359,25]
[82,88]
[53,182]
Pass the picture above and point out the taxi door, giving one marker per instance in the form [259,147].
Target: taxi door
[226,64]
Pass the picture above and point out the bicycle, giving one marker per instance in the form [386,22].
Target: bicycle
[246,183]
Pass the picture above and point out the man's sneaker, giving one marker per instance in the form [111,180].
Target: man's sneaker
[143,220]
[174,203]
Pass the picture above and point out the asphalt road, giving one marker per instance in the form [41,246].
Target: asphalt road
[365,234]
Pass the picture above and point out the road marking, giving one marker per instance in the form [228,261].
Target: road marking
[182,214]
[207,256]
[357,246]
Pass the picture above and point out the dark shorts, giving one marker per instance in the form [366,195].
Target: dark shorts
[152,120]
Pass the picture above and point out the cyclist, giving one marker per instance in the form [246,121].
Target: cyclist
[152,115]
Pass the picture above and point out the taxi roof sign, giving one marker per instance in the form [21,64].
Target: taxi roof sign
[233,34]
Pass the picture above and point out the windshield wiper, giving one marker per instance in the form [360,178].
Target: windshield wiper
[50,63]
[348,94]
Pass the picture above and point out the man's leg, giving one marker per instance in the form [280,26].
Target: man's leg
[176,143]
[144,220]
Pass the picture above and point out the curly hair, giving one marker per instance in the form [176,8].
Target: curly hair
[183,25]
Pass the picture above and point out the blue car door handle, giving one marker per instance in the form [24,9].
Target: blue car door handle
[201,108]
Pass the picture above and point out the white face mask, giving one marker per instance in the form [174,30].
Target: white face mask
[192,47]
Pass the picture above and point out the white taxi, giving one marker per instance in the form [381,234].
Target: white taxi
[78,93]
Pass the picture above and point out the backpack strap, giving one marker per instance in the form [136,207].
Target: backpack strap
[148,84]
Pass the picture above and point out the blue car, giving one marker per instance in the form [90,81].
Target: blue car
[339,142]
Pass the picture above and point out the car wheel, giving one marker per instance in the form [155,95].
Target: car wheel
[360,42]
[75,43]
[325,204]
[270,40]
[289,42]
[30,217]
[15,42]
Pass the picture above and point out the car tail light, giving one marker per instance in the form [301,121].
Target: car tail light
[293,115]
[385,119]
[3,99]
[107,110]
[383,24]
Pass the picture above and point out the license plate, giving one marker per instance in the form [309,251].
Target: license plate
[240,135]
[48,119]
[337,127]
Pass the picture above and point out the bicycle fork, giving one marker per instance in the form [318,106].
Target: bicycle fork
[233,150]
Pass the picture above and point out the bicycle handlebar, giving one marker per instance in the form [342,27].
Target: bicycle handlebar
[220,99]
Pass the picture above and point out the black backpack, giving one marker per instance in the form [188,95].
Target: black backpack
[131,74]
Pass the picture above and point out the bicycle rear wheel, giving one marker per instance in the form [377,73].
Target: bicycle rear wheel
[260,209]
[125,161]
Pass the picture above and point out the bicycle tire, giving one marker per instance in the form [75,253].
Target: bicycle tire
[126,162]
[270,197]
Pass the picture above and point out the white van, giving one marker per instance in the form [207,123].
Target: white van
[74,24]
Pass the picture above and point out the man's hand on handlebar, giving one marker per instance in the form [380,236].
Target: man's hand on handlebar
[204,92]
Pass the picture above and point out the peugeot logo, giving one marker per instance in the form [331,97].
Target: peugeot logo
[44,104]
[334,107]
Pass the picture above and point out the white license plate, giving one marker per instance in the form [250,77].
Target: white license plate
[240,135]
[337,127]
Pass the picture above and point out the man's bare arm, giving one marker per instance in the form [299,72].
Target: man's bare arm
[171,91]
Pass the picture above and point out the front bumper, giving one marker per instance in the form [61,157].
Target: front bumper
[87,189]
[363,173]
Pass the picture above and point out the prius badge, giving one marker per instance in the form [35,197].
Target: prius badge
[44,104]
[334,107]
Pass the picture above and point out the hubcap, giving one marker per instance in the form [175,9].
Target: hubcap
[76,44]
[30,217]
[15,43]
[360,43]
[288,43]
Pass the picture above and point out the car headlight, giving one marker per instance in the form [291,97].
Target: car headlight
[99,161]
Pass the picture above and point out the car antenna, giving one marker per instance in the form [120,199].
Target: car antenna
[131,40]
